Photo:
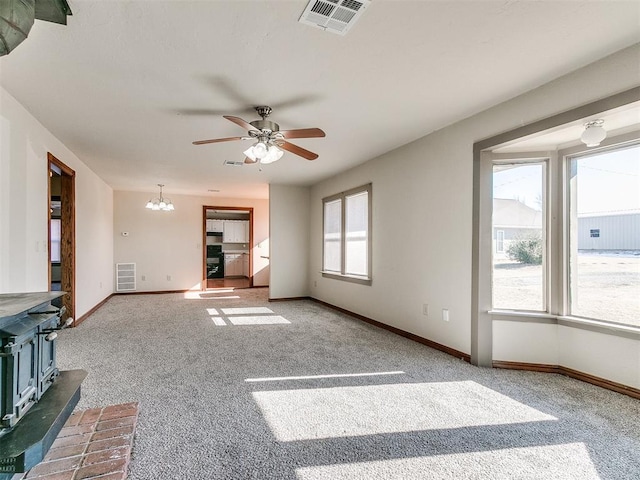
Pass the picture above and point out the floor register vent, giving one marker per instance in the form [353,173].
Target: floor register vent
[125,277]
[335,16]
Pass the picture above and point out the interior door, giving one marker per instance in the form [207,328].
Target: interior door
[66,243]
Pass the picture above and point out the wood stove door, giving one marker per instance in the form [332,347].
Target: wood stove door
[24,376]
[47,371]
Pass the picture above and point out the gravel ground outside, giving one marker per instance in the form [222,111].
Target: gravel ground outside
[608,287]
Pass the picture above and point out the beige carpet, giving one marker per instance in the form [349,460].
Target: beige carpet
[231,386]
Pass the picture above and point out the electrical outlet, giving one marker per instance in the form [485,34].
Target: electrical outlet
[144,277]
[315,283]
[168,278]
[445,314]
[425,309]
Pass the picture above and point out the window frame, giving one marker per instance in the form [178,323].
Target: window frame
[342,275]
[55,241]
[545,160]
[566,211]
[499,241]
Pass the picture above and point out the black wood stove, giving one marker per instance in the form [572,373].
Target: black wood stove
[30,379]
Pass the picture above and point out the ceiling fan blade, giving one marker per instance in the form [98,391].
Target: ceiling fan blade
[290,147]
[302,133]
[217,140]
[249,161]
[240,122]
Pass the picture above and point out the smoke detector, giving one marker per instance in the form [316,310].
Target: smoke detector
[335,16]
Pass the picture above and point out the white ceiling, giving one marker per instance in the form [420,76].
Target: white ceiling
[128,85]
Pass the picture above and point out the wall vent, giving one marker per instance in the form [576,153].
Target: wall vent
[336,16]
[234,163]
[125,277]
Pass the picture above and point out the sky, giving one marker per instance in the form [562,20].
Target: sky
[607,182]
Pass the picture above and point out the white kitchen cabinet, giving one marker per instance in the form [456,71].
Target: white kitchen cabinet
[232,264]
[235,231]
[229,231]
[214,225]
[236,264]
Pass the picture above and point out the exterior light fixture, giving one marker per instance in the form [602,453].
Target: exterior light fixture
[593,133]
[160,203]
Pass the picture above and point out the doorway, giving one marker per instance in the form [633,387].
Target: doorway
[61,227]
[227,256]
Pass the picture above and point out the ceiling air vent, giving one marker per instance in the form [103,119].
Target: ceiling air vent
[336,16]
[234,163]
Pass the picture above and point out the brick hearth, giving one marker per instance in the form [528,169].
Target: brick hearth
[93,444]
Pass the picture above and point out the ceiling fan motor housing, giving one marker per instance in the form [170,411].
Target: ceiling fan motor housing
[266,125]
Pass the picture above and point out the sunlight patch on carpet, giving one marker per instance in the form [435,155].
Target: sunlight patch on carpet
[315,377]
[307,414]
[259,320]
[214,295]
[559,462]
[219,321]
[246,310]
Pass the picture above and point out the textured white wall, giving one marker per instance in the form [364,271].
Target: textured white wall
[24,144]
[289,229]
[170,243]
[528,342]
[422,219]
[606,356]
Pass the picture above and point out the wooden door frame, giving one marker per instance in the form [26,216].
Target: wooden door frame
[68,229]
[204,240]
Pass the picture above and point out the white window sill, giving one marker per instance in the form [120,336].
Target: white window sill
[521,313]
[577,322]
[361,279]
[600,324]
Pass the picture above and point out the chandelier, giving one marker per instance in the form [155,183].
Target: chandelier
[160,203]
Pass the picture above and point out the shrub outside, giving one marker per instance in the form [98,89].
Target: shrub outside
[526,249]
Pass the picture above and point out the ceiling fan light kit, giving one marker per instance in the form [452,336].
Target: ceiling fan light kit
[271,141]
[262,153]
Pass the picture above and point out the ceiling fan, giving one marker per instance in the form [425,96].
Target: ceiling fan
[270,140]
